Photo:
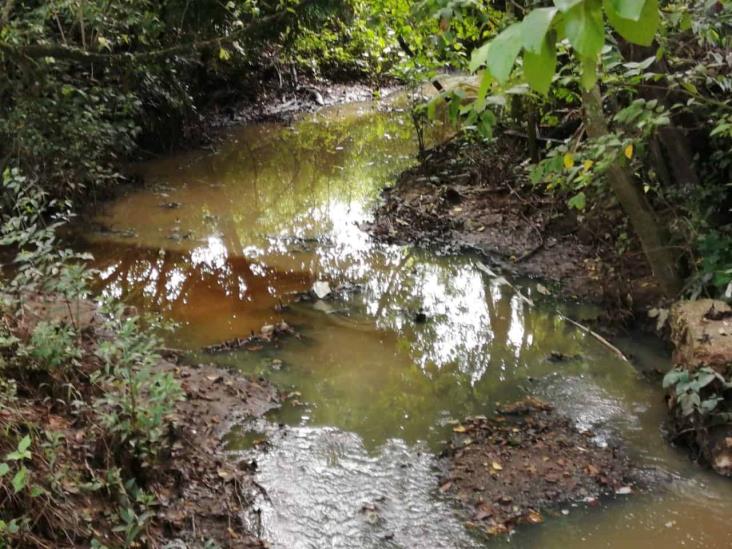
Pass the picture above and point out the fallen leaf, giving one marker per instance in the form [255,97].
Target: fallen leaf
[459,429]
[496,466]
[224,474]
[534,517]
[483,511]
[592,470]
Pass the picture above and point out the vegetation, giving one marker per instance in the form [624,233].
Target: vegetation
[55,371]
[649,83]
[620,102]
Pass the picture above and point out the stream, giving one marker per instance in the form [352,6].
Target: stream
[218,240]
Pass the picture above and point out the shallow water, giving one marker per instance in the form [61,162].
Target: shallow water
[218,240]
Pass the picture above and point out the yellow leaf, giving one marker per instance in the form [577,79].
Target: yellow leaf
[496,466]
[459,429]
[224,54]
[587,164]
[568,160]
[629,151]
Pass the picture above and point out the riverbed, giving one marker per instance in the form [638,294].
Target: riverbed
[222,242]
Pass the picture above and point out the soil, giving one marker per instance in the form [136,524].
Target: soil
[465,196]
[272,102]
[283,104]
[525,462]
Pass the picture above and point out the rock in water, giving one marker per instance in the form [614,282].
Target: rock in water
[321,289]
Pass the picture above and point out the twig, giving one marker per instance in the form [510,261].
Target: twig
[515,133]
[598,337]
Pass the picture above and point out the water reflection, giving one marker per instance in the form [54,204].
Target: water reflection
[218,240]
[223,238]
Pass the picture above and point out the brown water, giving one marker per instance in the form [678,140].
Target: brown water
[274,209]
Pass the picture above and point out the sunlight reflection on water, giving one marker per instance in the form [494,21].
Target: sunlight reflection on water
[218,241]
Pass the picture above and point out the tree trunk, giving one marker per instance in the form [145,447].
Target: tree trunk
[623,182]
[676,156]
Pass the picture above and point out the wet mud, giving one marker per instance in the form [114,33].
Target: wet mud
[526,462]
[468,197]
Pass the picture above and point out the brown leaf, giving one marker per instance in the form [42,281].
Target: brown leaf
[483,511]
[534,517]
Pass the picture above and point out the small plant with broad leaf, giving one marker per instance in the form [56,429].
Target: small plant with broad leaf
[700,393]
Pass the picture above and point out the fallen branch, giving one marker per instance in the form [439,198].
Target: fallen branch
[597,336]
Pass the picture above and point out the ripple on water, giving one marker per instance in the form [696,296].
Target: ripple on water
[326,490]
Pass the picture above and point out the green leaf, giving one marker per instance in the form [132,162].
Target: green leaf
[478,57]
[4,468]
[585,28]
[628,9]
[642,31]
[485,84]
[706,377]
[566,5]
[24,444]
[534,28]
[503,52]
[20,479]
[539,68]
[675,376]
[578,201]
[710,404]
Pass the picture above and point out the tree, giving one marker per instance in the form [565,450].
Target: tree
[585,25]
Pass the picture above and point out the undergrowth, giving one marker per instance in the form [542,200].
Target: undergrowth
[83,411]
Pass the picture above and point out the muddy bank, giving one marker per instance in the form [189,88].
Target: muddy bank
[283,104]
[526,462]
[699,388]
[273,102]
[204,495]
[466,196]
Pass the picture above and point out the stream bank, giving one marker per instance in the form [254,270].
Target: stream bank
[699,388]
[465,197]
[526,462]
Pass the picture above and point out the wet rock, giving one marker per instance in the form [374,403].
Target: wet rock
[170,205]
[321,289]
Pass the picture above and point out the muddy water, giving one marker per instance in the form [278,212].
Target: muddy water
[217,241]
